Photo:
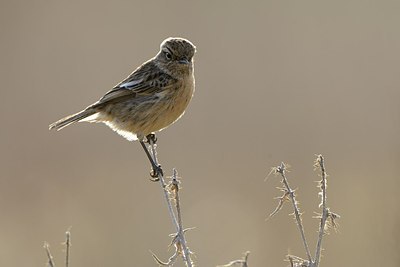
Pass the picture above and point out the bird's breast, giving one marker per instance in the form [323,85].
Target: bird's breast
[178,98]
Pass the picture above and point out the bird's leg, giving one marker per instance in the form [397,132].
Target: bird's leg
[157,170]
[152,140]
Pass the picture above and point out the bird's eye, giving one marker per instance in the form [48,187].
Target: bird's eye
[168,56]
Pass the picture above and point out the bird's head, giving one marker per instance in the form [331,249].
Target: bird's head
[176,55]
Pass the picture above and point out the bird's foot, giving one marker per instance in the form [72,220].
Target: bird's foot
[155,173]
[151,138]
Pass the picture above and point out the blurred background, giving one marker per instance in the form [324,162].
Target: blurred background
[275,81]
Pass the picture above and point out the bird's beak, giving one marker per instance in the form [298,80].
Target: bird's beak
[184,61]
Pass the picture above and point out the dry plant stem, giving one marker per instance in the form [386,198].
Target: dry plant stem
[177,225]
[281,170]
[163,185]
[320,161]
[67,245]
[178,209]
[178,205]
[50,262]
[241,263]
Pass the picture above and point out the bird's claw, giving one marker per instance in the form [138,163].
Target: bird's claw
[155,173]
[151,138]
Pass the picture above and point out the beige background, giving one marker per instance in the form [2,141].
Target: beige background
[276,81]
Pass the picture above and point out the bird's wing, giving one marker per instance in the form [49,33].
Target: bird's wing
[147,80]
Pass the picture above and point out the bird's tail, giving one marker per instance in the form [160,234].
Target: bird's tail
[64,122]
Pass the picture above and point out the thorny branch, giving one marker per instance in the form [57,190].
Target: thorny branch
[327,218]
[67,243]
[179,241]
[282,170]
[326,213]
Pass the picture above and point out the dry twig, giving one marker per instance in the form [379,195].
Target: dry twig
[282,171]
[172,189]
[240,263]
[50,260]
[327,218]
[326,213]
[67,246]
[67,243]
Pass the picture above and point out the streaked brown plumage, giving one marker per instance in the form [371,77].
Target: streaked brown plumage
[150,99]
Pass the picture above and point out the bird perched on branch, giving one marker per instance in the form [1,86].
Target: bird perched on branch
[150,99]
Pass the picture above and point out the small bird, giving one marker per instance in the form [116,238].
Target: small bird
[151,98]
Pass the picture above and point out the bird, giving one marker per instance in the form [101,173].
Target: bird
[151,98]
